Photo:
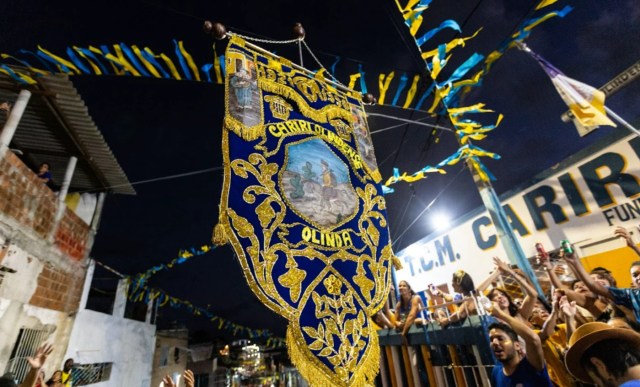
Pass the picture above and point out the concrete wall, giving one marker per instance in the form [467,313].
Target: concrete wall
[101,338]
[170,339]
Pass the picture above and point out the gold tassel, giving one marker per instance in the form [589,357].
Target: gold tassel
[219,237]
[314,375]
[246,133]
[396,262]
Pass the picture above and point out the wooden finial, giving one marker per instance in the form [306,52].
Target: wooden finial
[369,99]
[298,31]
[218,30]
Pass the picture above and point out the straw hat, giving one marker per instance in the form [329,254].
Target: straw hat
[587,335]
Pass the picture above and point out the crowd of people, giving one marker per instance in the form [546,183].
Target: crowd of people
[586,332]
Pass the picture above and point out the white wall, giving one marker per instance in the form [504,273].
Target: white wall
[101,338]
[472,242]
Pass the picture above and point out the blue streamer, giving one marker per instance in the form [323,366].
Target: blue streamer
[76,61]
[445,24]
[205,69]
[424,96]
[363,84]
[401,86]
[44,56]
[43,62]
[183,62]
[151,59]
[134,60]
[333,66]
[13,74]
[90,54]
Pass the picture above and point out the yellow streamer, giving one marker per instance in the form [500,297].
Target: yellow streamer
[452,44]
[35,70]
[22,76]
[352,80]
[123,61]
[171,66]
[216,65]
[60,60]
[190,62]
[117,70]
[544,3]
[383,84]
[412,91]
[146,63]
[94,67]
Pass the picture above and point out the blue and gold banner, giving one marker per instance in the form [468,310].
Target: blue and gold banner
[302,207]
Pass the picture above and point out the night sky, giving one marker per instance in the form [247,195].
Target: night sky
[160,128]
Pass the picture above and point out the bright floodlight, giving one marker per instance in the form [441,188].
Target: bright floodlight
[440,221]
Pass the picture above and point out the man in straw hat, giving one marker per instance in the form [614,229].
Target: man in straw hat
[606,356]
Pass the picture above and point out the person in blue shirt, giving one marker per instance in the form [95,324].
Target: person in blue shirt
[626,297]
[513,367]
[43,173]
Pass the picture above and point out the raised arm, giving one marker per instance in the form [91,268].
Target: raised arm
[569,312]
[36,362]
[582,274]
[413,313]
[530,293]
[553,277]
[549,325]
[491,278]
[532,342]
[622,233]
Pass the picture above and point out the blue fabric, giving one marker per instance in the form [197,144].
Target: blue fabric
[631,383]
[627,297]
[523,376]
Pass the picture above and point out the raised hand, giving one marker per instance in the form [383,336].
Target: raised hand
[189,379]
[621,232]
[502,266]
[168,382]
[38,359]
[569,309]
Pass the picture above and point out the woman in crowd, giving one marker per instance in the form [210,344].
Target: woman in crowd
[462,284]
[56,379]
[503,299]
[407,308]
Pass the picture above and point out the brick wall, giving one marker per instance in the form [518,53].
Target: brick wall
[25,199]
[59,290]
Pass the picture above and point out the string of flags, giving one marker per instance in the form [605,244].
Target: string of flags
[448,93]
[139,291]
[124,60]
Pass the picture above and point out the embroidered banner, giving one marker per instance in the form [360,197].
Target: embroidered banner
[302,207]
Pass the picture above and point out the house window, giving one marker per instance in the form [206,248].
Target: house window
[26,344]
[164,356]
[85,374]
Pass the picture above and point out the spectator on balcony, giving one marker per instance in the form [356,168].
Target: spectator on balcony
[55,380]
[67,376]
[44,174]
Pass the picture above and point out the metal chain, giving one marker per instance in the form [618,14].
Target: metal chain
[450,366]
[263,40]
[321,66]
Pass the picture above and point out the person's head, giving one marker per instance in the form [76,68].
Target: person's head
[462,282]
[8,380]
[603,276]
[44,167]
[539,315]
[405,292]
[56,377]
[504,342]
[601,354]
[68,364]
[579,287]
[635,274]
[504,301]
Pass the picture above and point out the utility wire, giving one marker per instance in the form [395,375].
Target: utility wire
[428,206]
[155,179]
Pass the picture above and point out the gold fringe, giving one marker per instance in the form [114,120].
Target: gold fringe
[325,114]
[365,375]
[219,237]
[396,262]
[246,133]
